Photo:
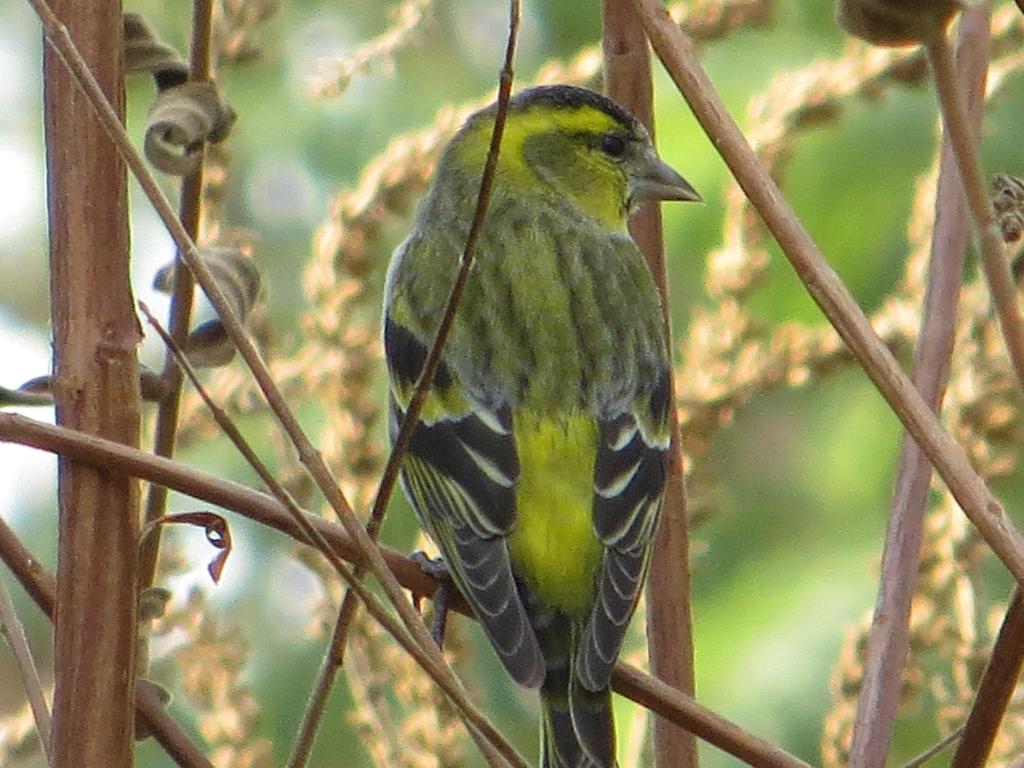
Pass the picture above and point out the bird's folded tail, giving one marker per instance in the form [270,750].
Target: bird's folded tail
[577,730]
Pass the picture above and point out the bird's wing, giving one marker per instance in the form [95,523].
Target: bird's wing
[460,474]
[629,477]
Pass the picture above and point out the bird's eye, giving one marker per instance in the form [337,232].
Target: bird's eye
[613,145]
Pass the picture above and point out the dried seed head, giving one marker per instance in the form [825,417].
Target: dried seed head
[896,22]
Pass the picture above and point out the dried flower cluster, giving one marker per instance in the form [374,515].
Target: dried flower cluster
[235,28]
[336,75]
[211,658]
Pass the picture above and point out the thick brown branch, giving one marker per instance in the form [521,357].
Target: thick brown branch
[96,389]
[627,69]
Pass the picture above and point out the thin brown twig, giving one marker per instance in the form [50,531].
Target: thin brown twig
[889,637]
[334,656]
[57,36]
[180,313]
[314,538]
[333,659]
[669,622]
[936,749]
[998,682]
[426,377]
[12,629]
[993,252]
[828,291]
[96,389]
[629,681]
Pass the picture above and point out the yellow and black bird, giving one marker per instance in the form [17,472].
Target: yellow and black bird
[539,459]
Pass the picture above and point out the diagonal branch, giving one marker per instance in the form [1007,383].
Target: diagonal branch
[889,638]
[828,291]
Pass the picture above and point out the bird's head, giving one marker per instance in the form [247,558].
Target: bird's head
[576,144]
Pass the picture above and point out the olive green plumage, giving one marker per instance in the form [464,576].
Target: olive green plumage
[538,462]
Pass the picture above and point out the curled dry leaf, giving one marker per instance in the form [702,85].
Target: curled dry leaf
[180,120]
[26,396]
[184,114]
[896,22]
[145,52]
[239,278]
[217,533]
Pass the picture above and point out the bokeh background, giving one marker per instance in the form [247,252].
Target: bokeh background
[791,490]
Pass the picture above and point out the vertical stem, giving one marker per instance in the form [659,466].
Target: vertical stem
[96,390]
[995,690]
[669,622]
[993,253]
[889,638]
[14,632]
[181,306]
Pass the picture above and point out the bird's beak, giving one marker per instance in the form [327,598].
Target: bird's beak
[656,180]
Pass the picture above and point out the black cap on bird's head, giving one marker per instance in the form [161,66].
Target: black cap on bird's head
[571,97]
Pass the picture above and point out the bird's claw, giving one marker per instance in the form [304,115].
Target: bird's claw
[436,569]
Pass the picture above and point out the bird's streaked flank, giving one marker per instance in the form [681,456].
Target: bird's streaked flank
[539,460]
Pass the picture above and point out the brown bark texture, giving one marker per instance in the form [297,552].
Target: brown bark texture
[95,335]
[669,619]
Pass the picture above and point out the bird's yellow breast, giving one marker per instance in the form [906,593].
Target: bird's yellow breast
[553,545]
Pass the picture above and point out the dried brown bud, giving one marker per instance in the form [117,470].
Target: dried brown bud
[896,22]
[1008,201]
